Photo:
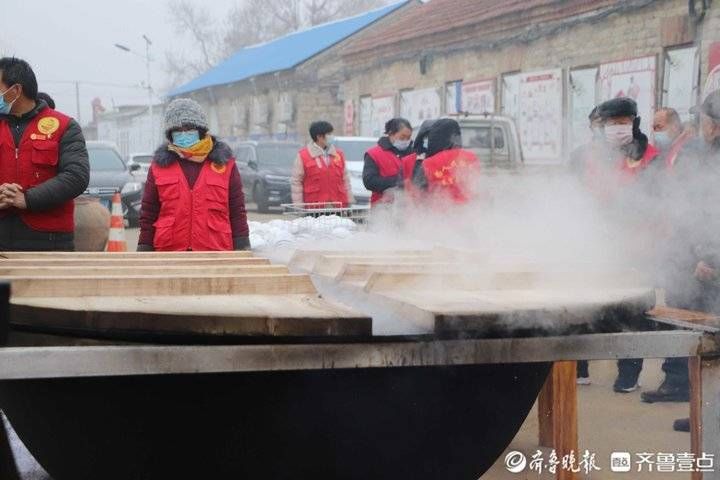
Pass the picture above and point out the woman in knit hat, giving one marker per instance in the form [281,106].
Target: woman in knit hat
[193,197]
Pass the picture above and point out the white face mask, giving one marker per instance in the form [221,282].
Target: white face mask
[619,135]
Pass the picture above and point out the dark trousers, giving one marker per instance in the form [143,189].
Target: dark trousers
[16,236]
[629,369]
[676,372]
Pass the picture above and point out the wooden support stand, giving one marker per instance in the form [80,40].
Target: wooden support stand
[705,412]
[557,410]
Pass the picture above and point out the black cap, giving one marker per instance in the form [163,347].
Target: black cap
[444,135]
[617,107]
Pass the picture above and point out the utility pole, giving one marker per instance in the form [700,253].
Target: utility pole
[77,102]
[148,59]
[149,87]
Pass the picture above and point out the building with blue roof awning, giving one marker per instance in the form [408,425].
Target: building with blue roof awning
[273,89]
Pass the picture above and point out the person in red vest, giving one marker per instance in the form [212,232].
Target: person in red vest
[193,197]
[670,136]
[623,157]
[319,175]
[383,162]
[619,170]
[441,169]
[43,165]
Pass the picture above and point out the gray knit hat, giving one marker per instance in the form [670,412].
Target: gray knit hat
[184,112]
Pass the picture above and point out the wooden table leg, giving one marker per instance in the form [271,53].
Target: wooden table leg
[557,410]
[705,412]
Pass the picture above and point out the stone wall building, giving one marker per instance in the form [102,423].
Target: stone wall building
[544,62]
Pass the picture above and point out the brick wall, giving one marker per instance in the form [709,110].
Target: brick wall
[643,32]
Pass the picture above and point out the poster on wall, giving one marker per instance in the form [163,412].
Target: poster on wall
[284,108]
[510,90]
[681,80]
[582,96]
[478,97]
[631,78]
[420,105]
[540,118]
[365,116]
[712,82]
[349,117]
[383,109]
[452,97]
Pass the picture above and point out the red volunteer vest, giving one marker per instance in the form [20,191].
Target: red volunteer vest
[388,163]
[322,183]
[605,182]
[411,190]
[451,172]
[35,161]
[195,219]
[675,148]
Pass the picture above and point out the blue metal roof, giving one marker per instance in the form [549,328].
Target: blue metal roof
[283,53]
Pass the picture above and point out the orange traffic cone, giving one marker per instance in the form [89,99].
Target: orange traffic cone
[116,242]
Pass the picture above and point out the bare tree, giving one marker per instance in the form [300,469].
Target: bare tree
[249,22]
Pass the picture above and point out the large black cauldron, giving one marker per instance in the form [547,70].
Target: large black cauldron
[382,423]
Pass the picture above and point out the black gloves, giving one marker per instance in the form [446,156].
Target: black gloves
[241,243]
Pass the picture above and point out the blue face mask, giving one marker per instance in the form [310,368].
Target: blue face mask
[330,140]
[401,145]
[663,141]
[5,107]
[186,139]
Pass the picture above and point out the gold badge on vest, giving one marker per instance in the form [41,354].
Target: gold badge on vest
[218,168]
[47,126]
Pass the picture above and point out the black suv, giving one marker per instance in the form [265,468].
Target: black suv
[109,174]
[266,168]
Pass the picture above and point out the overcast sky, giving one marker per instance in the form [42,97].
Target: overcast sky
[72,40]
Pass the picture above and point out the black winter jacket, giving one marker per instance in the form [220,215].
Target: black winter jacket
[73,175]
[372,179]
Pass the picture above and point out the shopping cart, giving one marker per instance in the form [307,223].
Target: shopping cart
[356,213]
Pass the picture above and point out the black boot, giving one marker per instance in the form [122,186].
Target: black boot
[628,375]
[667,392]
[681,425]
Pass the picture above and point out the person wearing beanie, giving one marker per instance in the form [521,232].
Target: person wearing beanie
[440,168]
[193,196]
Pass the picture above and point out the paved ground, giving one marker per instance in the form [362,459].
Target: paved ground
[611,422]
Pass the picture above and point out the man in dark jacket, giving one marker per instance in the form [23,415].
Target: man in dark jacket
[43,165]
[692,269]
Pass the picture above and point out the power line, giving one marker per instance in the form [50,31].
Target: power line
[96,84]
